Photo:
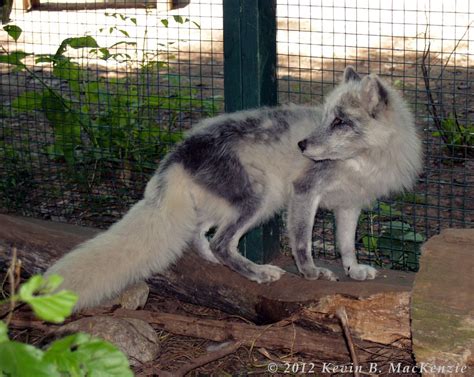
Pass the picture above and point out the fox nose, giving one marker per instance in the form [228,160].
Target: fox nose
[302,145]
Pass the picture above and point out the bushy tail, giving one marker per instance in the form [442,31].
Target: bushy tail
[148,239]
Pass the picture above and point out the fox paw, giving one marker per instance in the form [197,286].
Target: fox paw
[361,272]
[315,273]
[268,273]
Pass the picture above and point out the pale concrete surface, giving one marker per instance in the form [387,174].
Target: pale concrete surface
[310,30]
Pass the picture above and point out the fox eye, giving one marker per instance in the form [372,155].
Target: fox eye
[337,122]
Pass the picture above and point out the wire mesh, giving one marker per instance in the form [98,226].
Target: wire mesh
[84,121]
[424,48]
[105,91]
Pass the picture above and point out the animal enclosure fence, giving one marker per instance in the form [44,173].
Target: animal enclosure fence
[94,94]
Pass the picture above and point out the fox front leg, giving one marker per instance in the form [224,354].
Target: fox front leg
[346,225]
[301,212]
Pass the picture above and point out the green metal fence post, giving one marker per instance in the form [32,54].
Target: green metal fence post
[249,82]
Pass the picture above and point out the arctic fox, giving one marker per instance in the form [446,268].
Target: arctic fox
[236,170]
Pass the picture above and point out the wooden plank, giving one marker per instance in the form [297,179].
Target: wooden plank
[443,303]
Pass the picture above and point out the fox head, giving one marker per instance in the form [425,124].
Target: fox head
[357,116]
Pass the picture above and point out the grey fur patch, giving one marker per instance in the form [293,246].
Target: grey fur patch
[273,123]
[208,154]
[220,245]
[303,257]
[383,99]
[213,164]
[280,119]
[380,95]
[383,93]
[346,120]
[220,242]
[318,172]
[351,75]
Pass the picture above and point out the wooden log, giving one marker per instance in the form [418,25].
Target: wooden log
[378,310]
[284,335]
[442,305]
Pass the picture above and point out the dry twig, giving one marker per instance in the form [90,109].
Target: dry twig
[12,281]
[207,358]
[342,315]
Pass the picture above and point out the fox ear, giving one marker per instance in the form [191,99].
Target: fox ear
[374,96]
[350,74]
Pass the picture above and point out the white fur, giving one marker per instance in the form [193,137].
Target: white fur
[177,211]
[148,239]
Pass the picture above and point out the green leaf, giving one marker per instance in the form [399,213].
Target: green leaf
[14,58]
[411,197]
[76,43]
[83,42]
[387,210]
[414,237]
[105,53]
[31,286]
[54,308]
[66,125]
[396,226]
[134,20]
[386,242]
[82,355]
[22,360]
[13,31]
[67,70]
[123,43]
[178,19]
[54,151]
[449,124]
[45,59]
[28,101]
[3,332]
[101,357]
[62,353]
[124,32]
[165,22]
[48,306]
[370,242]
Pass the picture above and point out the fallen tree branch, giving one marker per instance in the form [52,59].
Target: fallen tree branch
[194,280]
[431,106]
[284,335]
[206,359]
[342,315]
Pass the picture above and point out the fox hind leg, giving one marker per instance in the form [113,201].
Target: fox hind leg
[224,245]
[201,244]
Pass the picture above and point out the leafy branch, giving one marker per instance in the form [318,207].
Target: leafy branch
[75,355]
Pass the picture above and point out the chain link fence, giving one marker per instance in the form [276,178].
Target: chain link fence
[93,95]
